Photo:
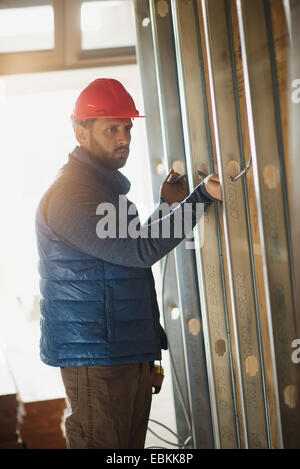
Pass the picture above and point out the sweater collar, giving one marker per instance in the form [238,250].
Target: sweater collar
[117,181]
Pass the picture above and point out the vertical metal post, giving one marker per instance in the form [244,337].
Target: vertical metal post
[294,141]
[269,186]
[165,61]
[158,167]
[242,285]
[209,257]
[287,8]
[294,138]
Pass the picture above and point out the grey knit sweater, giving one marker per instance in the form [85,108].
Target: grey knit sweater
[71,215]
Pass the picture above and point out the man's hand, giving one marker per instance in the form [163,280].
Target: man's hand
[213,186]
[172,191]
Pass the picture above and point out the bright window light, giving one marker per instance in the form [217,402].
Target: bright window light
[107,24]
[26,29]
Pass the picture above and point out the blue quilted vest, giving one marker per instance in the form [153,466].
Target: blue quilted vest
[92,311]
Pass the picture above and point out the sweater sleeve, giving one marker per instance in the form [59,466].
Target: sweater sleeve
[73,214]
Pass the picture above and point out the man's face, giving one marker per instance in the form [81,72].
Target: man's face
[109,140]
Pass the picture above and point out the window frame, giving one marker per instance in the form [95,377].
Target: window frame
[67,52]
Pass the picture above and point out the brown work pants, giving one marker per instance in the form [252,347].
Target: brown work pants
[109,406]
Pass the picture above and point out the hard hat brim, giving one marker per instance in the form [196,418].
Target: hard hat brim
[84,118]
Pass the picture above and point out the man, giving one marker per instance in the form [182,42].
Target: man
[99,312]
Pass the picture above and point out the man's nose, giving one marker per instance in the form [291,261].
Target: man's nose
[124,137]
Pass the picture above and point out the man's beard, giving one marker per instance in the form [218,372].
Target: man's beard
[106,159]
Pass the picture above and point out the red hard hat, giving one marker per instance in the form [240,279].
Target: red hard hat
[104,97]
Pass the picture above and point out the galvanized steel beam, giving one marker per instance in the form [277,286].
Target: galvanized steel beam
[273,227]
[246,325]
[165,61]
[158,166]
[199,155]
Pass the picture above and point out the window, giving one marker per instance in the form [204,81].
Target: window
[107,24]
[26,29]
[45,35]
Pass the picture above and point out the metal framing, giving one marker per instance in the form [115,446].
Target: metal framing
[209,258]
[242,281]
[293,7]
[271,215]
[218,109]
[165,62]
[170,298]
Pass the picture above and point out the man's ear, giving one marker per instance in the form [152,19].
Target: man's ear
[82,135]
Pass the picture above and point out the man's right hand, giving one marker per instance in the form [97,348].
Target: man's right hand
[172,191]
[213,186]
